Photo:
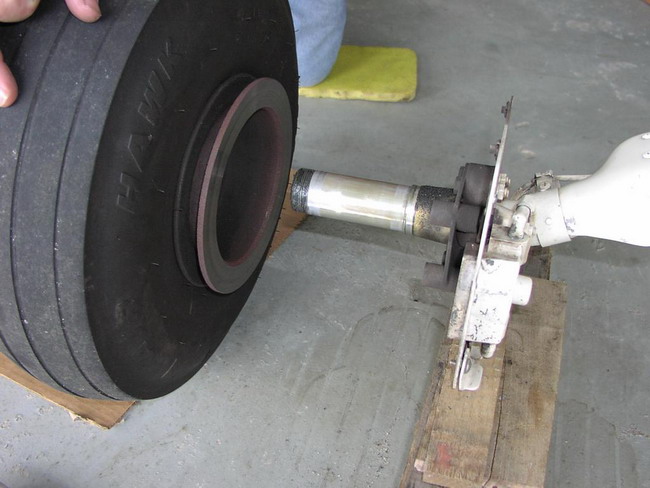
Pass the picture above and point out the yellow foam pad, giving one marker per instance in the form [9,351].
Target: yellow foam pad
[380,74]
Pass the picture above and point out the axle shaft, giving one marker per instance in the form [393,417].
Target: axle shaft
[422,211]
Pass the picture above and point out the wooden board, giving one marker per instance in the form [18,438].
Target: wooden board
[532,371]
[104,413]
[290,220]
[452,448]
[412,477]
[456,455]
[107,413]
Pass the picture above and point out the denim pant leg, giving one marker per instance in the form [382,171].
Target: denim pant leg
[319,32]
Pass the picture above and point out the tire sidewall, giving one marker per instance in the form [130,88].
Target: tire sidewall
[147,320]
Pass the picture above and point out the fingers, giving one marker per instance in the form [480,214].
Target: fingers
[86,10]
[12,11]
[8,86]
[17,10]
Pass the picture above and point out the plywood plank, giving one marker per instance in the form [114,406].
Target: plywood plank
[462,436]
[290,220]
[104,413]
[532,369]
[522,417]
[412,476]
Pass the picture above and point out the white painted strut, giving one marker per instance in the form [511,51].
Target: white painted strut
[611,204]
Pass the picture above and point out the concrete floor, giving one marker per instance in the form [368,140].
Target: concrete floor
[319,382]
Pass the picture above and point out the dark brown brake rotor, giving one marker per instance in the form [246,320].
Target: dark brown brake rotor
[238,204]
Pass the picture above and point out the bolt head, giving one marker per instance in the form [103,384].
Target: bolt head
[503,190]
[646,136]
[646,155]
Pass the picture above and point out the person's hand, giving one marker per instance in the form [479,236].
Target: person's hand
[17,10]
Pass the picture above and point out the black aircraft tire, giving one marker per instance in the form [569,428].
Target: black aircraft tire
[101,293]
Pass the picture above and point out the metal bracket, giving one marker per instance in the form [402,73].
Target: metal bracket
[468,372]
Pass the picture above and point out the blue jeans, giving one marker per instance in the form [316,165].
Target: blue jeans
[319,32]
